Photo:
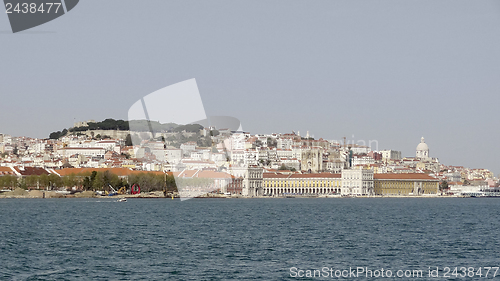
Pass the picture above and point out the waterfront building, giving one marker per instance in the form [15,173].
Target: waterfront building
[252,179]
[405,184]
[357,182]
[277,184]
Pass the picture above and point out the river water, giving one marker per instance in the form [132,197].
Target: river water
[249,239]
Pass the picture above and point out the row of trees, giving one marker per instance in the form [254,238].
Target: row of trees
[91,181]
[190,128]
[108,124]
[122,125]
[42,181]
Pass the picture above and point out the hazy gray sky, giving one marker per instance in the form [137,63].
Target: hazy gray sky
[391,71]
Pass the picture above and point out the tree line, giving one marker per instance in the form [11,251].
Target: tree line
[122,125]
[108,124]
[91,181]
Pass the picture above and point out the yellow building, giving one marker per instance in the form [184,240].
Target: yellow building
[405,184]
[301,184]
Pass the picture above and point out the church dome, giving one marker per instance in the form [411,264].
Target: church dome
[422,146]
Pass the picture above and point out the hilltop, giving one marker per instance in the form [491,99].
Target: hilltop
[112,127]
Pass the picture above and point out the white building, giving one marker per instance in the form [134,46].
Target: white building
[359,149]
[284,153]
[173,156]
[357,182]
[334,165]
[284,143]
[251,157]
[108,144]
[252,179]
[237,156]
[422,149]
[362,160]
[86,151]
[188,147]
[390,155]
[235,142]
[290,163]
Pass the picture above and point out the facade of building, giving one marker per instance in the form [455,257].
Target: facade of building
[390,155]
[312,160]
[357,182]
[252,179]
[85,151]
[277,184]
[405,184]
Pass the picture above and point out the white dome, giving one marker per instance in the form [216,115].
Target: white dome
[422,146]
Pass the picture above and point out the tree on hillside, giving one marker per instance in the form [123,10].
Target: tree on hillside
[58,134]
[214,133]
[108,124]
[191,128]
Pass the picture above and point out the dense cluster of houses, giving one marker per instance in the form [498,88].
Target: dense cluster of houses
[251,165]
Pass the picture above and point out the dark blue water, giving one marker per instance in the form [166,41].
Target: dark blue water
[244,239]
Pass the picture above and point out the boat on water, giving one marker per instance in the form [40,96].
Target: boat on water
[122,200]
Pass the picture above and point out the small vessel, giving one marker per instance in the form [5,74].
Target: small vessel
[122,200]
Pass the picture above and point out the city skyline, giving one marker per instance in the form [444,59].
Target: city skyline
[379,70]
[372,145]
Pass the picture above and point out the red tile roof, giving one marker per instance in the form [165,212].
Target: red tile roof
[408,176]
[29,171]
[116,171]
[301,176]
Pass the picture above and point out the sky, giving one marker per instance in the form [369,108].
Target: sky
[388,71]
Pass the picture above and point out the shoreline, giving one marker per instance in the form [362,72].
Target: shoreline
[39,194]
